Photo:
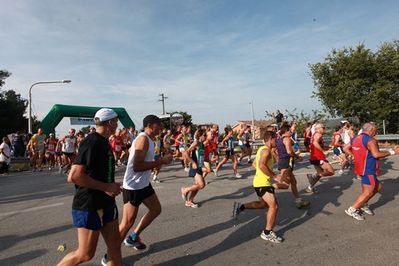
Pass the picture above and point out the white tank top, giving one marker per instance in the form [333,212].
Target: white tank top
[138,180]
[69,145]
[345,137]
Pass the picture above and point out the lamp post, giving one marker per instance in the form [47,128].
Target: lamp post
[30,98]
[253,119]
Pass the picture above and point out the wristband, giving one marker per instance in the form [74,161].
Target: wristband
[392,152]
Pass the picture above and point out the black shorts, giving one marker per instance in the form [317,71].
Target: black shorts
[307,142]
[286,163]
[318,162]
[68,154]
[229,153]
[136,197]
[261,191]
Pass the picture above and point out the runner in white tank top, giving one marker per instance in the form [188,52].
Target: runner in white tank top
[137,188]
[138,180]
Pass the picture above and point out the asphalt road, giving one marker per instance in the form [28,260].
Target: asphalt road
[35,219]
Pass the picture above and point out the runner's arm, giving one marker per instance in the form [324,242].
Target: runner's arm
[139,163]
[316,142]
[372,145]
[78,176]
[288,146]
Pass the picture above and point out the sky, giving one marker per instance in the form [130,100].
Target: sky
[210,58]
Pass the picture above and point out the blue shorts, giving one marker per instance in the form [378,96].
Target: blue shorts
[370,180]
[94,220]
[338,151]
[156,157]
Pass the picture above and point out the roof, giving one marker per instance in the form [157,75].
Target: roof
[257,123]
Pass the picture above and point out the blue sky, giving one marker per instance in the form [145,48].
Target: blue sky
[211,58]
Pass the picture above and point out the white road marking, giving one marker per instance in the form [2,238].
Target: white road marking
[32,209]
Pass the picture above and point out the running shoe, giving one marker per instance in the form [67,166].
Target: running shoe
[312,190]
[236,209]
[366,209]
[355,213]
[137,244]
[191,204]
[341,172]
[155,179]
[272,237]
[183,194]
[104,260]
[238,175]
[301,203]
[215,172]
[186,169]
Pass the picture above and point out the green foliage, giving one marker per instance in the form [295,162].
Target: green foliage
[357,82]
[3,75]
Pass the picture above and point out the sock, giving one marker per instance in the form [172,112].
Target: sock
[134,235]
[242,207]
[266,231]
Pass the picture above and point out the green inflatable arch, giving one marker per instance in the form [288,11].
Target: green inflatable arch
[59,111]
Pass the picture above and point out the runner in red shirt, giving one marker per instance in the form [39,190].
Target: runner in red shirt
[318,158]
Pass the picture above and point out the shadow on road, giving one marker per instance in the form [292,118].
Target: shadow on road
[23,258]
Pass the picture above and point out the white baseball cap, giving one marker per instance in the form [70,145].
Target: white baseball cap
[105,114]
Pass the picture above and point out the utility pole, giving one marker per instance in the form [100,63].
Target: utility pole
[163,97]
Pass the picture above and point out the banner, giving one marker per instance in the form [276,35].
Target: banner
[82,121]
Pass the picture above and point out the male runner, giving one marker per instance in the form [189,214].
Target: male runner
[367,153]
[38,142]
[93,210]
[137,187]
[263,187]
[318,158]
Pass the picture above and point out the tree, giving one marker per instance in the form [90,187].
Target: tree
[187,118]
[12,110]
[356,82]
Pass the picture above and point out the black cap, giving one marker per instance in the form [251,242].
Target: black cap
[151,119]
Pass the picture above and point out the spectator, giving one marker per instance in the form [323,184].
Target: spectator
[5,156]
[18,145]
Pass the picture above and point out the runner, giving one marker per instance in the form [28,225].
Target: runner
[307,135]
[286,158]
[337,145]
[228,142]
[69,145]
[125,148]
[245,144]
[116,144]
[263,187]
[51,142]
[318,158]
[215,144]
[137,188]
[347,136]
[37,149]
[167,142]
[367,154]
[157,156]
[197,161]
[93,210]
[183,141]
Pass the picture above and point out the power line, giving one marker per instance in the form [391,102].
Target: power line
[163,97]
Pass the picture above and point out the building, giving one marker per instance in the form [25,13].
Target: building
[260,126]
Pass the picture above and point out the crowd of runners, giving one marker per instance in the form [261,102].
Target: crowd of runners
[201,153]
[90,161]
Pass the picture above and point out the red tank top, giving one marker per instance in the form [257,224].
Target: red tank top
[316,154]
[336,143]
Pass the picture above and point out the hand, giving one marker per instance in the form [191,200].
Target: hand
[167,159]
[396,150]
[113,189]
[194,166]
[299,157]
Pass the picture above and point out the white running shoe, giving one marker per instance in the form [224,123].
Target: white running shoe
[186,169]
[272,237]
[215,172]
[191,204]
[355,213]
[366,209]
[238,175]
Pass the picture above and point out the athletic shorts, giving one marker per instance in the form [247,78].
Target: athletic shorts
[136,197]
[156,157]
[338,151]
[68,154]
[243,146]
[247,145]
[192,172]
[94,220]
[307,142]
[229,153]
[370,180]
[58,153]
[181,149]
[285,163]
[261,191]
[318,162]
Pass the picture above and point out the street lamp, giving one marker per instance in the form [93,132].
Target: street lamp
[30,98]
[253,119]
